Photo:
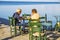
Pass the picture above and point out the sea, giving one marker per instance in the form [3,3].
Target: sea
[8,8]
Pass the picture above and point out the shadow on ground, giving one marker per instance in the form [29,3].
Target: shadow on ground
[10,37]
[54,36]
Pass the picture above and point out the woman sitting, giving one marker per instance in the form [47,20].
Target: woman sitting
[34,14]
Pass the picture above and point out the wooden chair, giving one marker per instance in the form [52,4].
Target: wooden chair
[13,28]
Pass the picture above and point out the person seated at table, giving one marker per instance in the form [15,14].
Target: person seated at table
[16,15]
[34,14]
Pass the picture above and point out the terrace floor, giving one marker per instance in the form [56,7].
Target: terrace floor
[5,34]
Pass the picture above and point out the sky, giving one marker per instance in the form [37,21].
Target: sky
[35,0]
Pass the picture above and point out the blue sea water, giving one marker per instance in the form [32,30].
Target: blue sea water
[51,9]
[25,3]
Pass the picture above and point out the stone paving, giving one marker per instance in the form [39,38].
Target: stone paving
[5,34]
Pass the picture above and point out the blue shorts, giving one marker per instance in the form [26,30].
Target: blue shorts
[18,24]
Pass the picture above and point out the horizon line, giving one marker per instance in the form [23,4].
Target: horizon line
[25,3]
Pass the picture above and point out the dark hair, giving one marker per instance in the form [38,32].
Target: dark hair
[34,10]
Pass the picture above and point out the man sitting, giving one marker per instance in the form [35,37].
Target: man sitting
[16,15]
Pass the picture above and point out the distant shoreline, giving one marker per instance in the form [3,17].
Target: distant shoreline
[25,3]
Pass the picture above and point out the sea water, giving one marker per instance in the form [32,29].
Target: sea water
[50,9]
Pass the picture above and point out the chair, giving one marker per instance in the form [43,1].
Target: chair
[13,29]
[35,31]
